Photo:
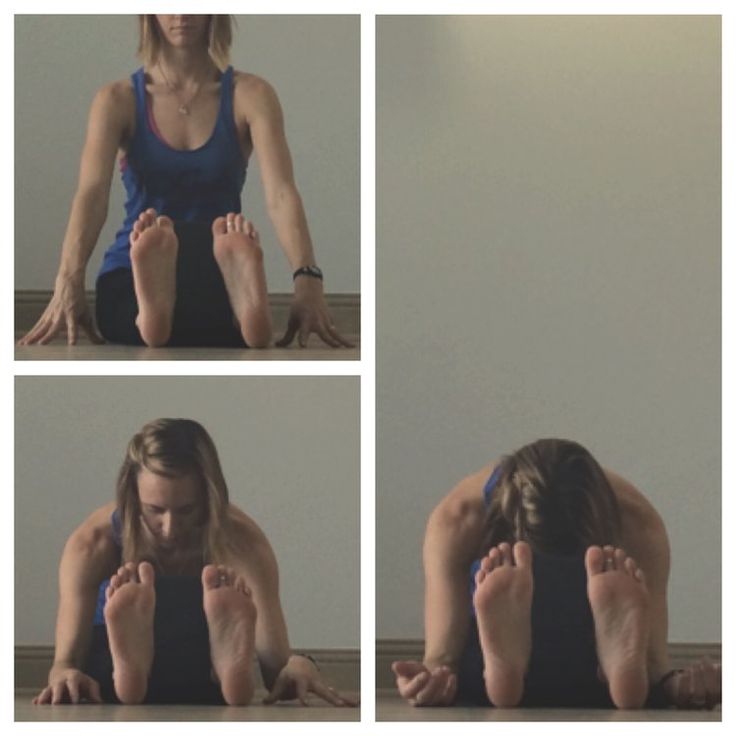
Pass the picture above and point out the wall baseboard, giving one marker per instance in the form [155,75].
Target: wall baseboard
[390,650]
[341,667]
[344,308]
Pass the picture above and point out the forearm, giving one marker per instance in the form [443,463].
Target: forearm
[445,632]
[287,214]
[86,219]
[73,636]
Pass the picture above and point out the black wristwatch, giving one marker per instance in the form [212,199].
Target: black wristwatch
[314,271]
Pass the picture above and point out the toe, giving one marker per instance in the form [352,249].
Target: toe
[629,566]
[163,221]
[522,554]
[594,560]
[219,226]
[619,559]
[505,550]
[480,576]
[146,573]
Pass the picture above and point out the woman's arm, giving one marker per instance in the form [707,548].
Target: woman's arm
[454,533]
[265,122]
[645,539]
[109,124]
[89,557]
[285,674]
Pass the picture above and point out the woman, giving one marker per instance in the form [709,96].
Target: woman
[186,268]
[568,592]
[168,594]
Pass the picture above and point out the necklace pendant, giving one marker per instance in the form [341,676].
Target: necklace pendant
[183,110]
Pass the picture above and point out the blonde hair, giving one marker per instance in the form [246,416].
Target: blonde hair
[220,35]
[554,495]
[174,448]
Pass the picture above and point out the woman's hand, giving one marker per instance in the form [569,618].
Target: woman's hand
[68,685]
[309,313]
[298,678]
[695,687]
[422,687]
[67,308]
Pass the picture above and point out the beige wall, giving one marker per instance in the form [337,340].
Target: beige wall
[548,196]
[290,452]
[312,61]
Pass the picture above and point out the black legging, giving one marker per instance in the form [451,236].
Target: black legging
[202,313]
[563,667]
[182,667]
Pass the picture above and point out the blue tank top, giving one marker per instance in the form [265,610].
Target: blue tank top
[117,536]
[189,186]
[487,495]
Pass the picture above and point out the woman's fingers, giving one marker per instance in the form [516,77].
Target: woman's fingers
[302,690]
[330,694]
[72,686]
[59,693]
[43,697]
[431,693]
[448,694]
[92,688]
[409,688]
[324,333]
[277,691]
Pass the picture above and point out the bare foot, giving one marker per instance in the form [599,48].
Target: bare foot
[231,618]
[503,603]
[153,249]
[240,258]
[131,600]
[620,604]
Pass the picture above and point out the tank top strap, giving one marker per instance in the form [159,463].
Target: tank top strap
[491,484]
[138,78]
[117,528]
[227,113]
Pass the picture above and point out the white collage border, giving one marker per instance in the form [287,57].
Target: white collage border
[365,368]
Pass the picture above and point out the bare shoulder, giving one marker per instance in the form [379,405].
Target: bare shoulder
[253,94]
[466,498]
[92,545]
[249,542]
[644,532]
[112,113]
[636,509]
[115,98]
[460,516]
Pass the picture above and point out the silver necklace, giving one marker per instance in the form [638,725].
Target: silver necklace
[184,107]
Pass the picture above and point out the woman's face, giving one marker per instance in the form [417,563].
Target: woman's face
[183,31]
[172,509]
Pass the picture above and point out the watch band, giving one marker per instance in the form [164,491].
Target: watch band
[314,271]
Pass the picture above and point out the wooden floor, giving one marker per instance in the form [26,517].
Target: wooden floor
[317,711]
[390,707]
[59,350]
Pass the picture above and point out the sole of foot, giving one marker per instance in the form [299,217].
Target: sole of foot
[153,252]
[503,600]
[239,256]
[129,610]
[231,618]
[620,603]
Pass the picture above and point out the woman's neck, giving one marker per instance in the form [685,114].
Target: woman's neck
[184,66]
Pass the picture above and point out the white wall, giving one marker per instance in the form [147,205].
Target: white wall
[312,61]
[290,452]
[548,244]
